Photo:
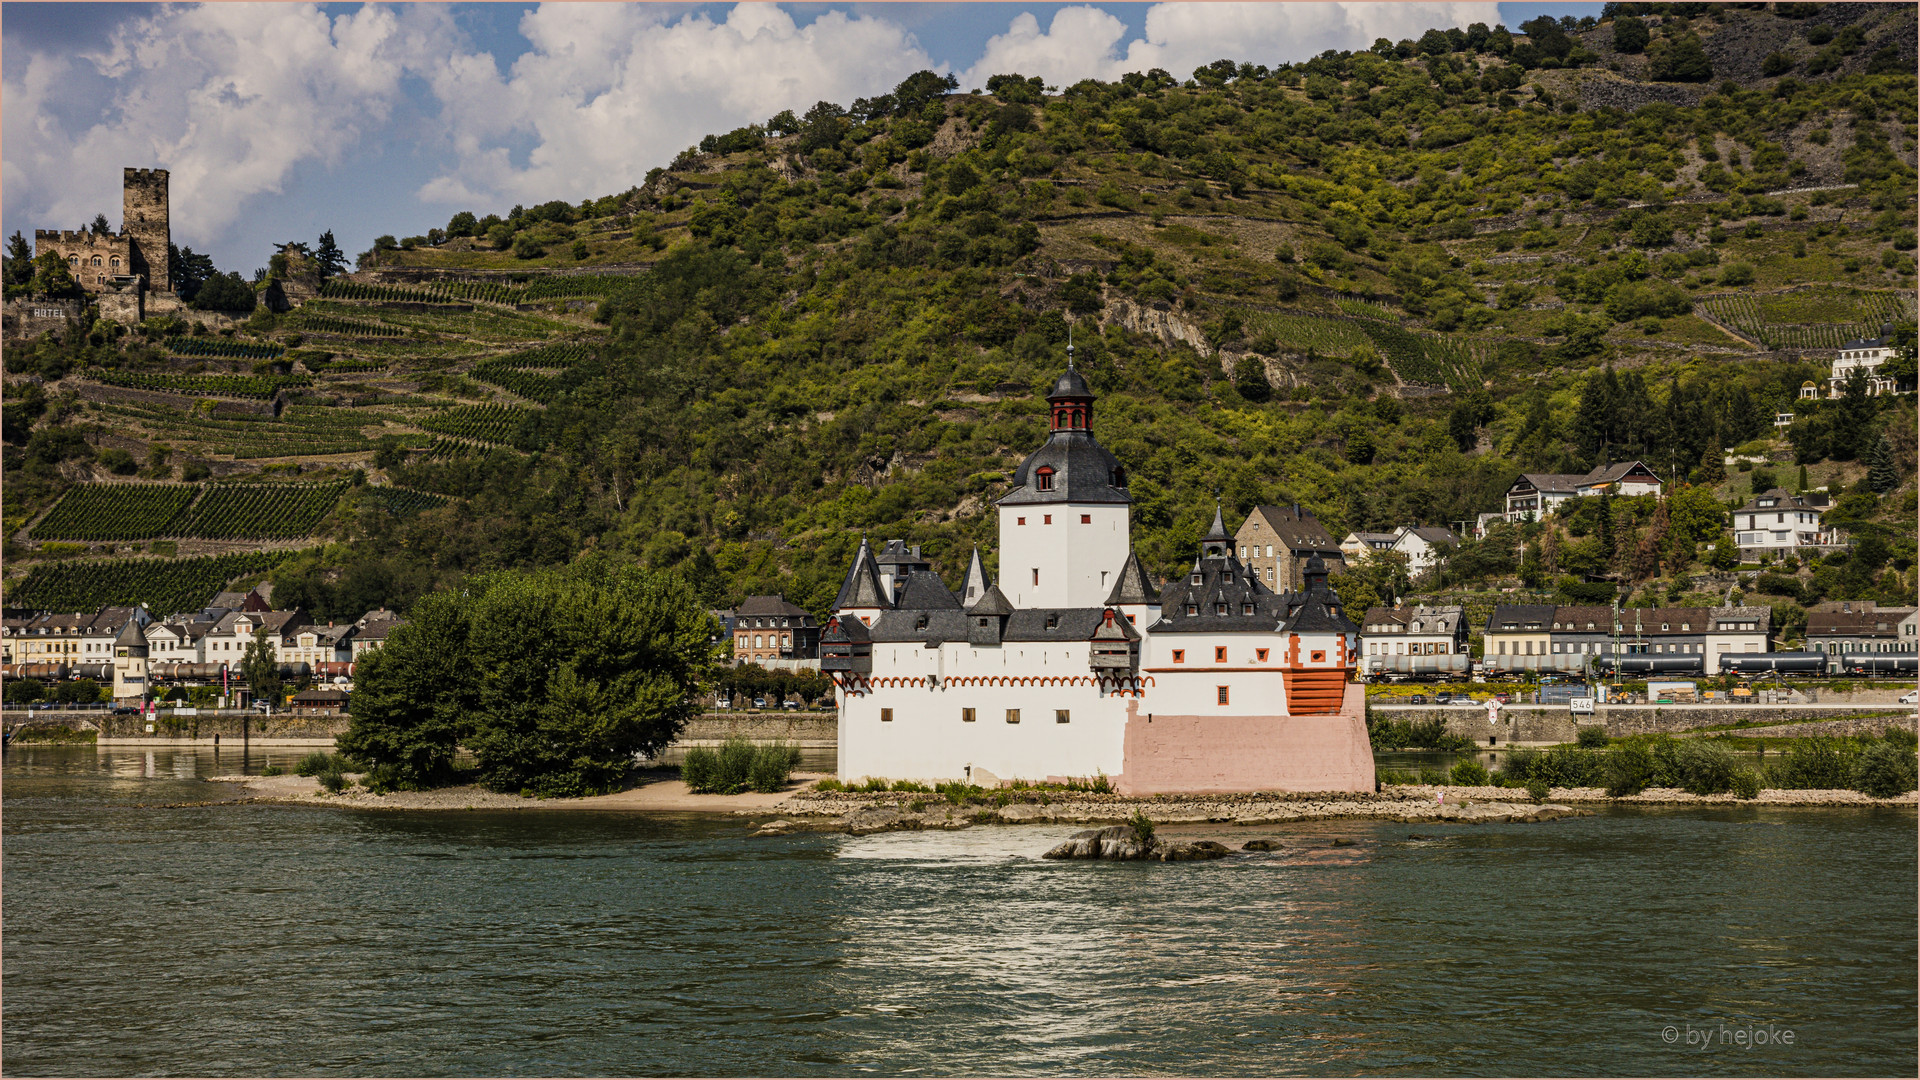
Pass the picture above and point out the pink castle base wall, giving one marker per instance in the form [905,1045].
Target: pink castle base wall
[1220,754]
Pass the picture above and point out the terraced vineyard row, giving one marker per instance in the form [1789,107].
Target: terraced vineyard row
[329,324]
[259,511]
[101,512]
[1436,360]
[531,385]
[547,356]
[219,347]
[335,289]
[110,512]
[1300,332]
[1366,309]
[299,430]
[242,386]
[401,502]
[483,423]
[166,586]
[1763,318]
[574,286]
[353,367]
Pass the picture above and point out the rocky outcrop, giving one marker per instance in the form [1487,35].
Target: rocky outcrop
[1156,321]
[1125,843]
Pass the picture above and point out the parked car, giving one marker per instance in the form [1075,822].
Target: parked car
[1503,698]
[35,706]
[1911,697]
[1444,697]
[759,703]
[125,710]
[789,704]
[723,703]
[1418,699]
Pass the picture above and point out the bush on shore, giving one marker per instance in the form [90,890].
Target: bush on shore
[1884,770]
[739,765]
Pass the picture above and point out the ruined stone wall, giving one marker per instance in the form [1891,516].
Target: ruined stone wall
[146,223]
[27,319]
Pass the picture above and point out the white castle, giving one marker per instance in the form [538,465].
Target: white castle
[1074,664]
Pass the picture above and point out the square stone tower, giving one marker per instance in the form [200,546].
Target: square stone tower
[144,222]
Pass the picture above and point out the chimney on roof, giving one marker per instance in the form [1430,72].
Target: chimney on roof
[916,551]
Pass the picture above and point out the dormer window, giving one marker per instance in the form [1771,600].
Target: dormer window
[1118,477]
[1053,621]
[1246,609]
[1219,609]
[1196,579]
[1043,478]
[1684,627]
[1663,626]
[1193,609]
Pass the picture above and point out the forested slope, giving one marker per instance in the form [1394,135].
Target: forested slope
[1379,284]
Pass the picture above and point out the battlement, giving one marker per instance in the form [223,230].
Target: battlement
[143,176]
[80,237]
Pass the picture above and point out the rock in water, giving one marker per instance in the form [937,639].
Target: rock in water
[1199,849]
[1112,842]
[1261,845]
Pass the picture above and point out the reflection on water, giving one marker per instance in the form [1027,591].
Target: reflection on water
[258,939]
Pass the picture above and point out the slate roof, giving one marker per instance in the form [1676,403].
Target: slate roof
[861,589]
[1885,339]
[897,553]
[1227,598]
[1784,500]
[775,606]
[375,625]
[1866,619]
[1135,585]
[1519,615]
[976,583]
[1083,472]
[926,592]
[1025,624]
[1297,528]
[992,602]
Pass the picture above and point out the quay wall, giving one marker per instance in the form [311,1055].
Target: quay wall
[1556,724]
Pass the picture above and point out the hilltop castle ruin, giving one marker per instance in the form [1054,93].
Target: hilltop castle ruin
[120,269]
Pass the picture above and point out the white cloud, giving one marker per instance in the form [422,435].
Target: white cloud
[609,91]
[230,98]
[1081,42]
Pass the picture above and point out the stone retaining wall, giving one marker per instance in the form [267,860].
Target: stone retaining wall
[803,729]
[1555,723]
[226,724]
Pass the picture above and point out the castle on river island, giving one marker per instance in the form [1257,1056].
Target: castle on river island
[1075,664]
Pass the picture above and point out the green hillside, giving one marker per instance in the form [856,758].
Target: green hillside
[1378,284]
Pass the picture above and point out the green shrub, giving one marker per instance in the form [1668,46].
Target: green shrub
[332,780]
[1884,770]
[874,783]
[1470,773]
[382,779]
[1746,784]
[1629,768]
[910,785]
[736,761]
[829,784]
[1538,790]
[772,767]
[1705,768]
[274,770]
[322,762]
[1819,762]
[700,768]
[960,793]
[1432,776]
[1143,825]
[1593,738]
[1395,776]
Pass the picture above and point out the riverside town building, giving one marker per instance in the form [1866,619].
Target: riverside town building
[1073,663]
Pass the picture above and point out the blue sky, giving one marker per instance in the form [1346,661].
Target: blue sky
[280,121]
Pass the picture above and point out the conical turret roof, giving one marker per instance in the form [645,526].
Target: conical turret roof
[1135,585]
[994,602]
[862,586]
[130,637]
[1219,530]
[976,583]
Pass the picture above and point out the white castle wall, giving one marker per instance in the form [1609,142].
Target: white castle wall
[1077,562]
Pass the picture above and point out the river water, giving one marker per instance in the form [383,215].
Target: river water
[274,940]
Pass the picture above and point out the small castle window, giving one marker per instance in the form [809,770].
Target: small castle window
[1193,609]
[1047,520]
[96,260]
[1260,655]
[73,261]
[1086,519]
[1319,656]
[1043,479]
[1179,656]
[966,716]
[1219,654]
[1220,693]
[1061,716]
[1196,579]
[114,262]
[1019,521]
[1013,716]
[1219,609]
[1053,621]
[886,716]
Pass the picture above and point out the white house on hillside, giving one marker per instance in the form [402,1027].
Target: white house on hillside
[1778,522]
[1535,495]
[1864,356]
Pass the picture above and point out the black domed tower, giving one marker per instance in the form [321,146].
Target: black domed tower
[1064,526]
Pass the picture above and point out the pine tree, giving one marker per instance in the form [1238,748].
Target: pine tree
[1882,477]
[1593,424]
[1803,480]
[1713,463]
[17,268]
[328,254]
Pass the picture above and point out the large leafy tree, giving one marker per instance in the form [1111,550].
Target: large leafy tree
[52,278]
[189,270]
[553,679]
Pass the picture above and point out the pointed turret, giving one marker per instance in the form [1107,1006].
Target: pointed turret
[976,585]
[1216,541]
[861,590]
[131,640]
[1135,585]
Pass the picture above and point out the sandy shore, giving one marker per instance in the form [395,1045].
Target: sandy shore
[657,795]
